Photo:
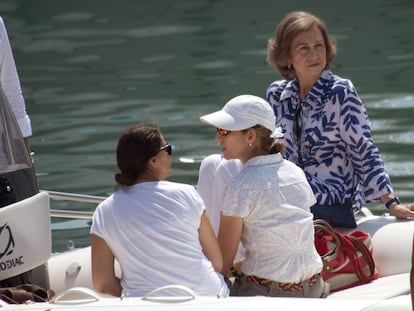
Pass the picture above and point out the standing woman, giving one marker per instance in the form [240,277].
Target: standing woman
[10,84]
[326,126]
[266,207]
[157,230]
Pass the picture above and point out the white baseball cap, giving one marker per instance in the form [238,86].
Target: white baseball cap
[242,112]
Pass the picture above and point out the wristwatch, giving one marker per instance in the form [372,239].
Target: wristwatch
[391,201]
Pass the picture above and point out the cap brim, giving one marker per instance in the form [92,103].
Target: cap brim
[222,119]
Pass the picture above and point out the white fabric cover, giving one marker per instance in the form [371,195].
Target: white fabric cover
[25,236]
[392,241]
[382,288]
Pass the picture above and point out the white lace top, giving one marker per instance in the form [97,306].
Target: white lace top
[274,198]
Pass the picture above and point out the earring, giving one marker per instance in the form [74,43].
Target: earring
[250,144]
[290,66]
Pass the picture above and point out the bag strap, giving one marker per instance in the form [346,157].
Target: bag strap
[25,292]
[366,253]
[326,229]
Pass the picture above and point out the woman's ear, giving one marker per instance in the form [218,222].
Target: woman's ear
[251,136]
[152,162]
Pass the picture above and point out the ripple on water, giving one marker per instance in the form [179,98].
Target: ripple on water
[86,58]
[403,138]
[158,58]
[218,64]
[58,96]
[400,168]
[386,101]
[161,30]
[73,17]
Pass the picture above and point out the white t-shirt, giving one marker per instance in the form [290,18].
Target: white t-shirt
[152,229]
[274,198]
[214,175]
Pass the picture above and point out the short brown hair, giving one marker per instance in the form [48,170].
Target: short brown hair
[278,48]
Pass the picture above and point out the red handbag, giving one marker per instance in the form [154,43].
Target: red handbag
[347,258]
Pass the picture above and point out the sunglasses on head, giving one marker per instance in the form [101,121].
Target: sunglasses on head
[167,148]
[223,132]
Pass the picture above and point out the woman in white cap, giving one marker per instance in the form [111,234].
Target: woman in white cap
[266,207]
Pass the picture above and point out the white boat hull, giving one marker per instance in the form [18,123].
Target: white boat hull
[399,303]
[69,275]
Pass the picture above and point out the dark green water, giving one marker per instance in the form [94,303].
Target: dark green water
[91,68]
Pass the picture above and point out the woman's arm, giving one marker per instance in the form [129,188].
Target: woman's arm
[229,240]
[397,209]
[370,167]
[103,270]
[209,243]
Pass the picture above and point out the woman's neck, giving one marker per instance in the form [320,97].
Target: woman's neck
[254,153]
[146,178]
[305,85]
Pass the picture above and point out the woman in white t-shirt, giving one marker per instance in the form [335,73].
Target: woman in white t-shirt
[266,206]
[157,230]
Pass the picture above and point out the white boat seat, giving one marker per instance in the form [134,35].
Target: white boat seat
[392,241]
[383,288]
[25,235]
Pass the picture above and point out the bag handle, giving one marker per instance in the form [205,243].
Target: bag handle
[351,245]
[326,228]
[363,249]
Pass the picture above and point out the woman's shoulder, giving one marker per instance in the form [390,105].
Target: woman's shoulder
[276,86]
[336,89]
[340,84]
[178,187]
[291,165]
[105,205]
[175,184]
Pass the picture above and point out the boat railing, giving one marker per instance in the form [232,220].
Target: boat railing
[84,198]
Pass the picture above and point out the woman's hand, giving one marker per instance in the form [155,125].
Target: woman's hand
[229,239]
[402,211]
[209,243]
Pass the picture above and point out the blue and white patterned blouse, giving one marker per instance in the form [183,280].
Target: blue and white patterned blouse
[335,148]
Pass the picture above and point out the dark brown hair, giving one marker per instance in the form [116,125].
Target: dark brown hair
[136,146]
[278,48]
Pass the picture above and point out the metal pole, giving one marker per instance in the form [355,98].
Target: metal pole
[74,197]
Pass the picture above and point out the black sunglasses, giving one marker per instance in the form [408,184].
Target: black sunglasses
[167,148]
